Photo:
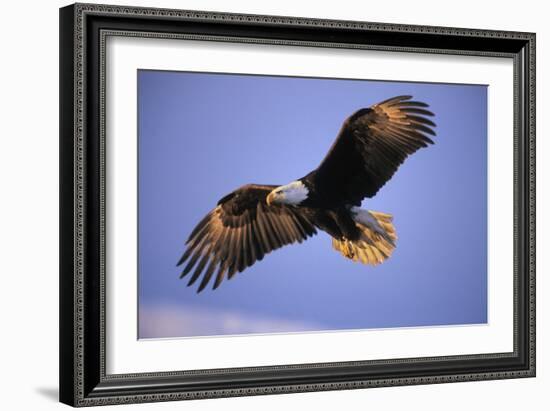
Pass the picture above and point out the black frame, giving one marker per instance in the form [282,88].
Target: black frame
[83,29]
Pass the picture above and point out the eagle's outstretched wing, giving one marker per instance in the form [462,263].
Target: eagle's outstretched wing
[240,231]
[371,145]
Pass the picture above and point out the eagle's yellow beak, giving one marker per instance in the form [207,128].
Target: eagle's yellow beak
[270,198]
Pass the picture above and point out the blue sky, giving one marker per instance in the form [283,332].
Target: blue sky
[203,135]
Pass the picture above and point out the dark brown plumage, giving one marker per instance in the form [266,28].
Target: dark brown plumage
[240,231]
[372,143]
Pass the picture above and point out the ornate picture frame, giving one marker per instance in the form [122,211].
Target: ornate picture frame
[84,82]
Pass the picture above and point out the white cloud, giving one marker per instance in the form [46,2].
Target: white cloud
[169,321]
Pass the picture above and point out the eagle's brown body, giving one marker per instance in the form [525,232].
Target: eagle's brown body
[256,219]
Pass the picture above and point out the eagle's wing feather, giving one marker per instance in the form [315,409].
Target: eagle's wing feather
[371,145]
[240,231]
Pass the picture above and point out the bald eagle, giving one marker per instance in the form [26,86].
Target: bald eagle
[256,219]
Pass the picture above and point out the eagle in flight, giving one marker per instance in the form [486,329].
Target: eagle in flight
[256,219]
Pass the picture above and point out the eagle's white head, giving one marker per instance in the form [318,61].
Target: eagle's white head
[292,194]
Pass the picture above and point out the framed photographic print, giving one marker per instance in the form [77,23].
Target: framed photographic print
[261,204]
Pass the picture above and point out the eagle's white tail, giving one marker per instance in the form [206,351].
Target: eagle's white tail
[377,240]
